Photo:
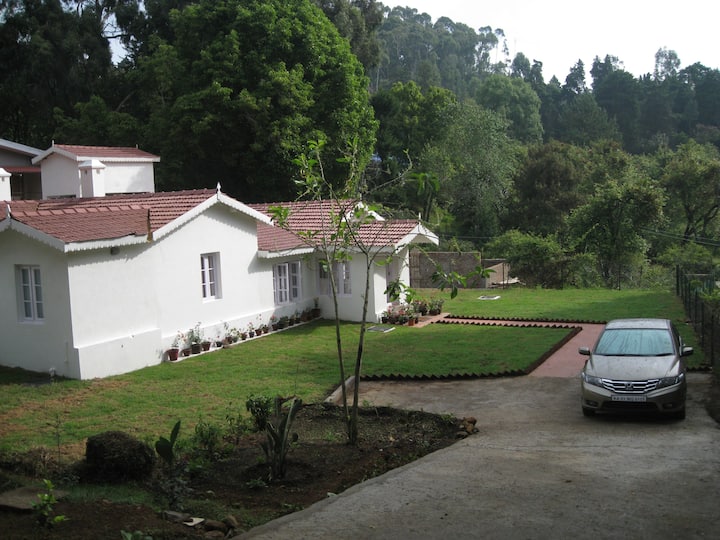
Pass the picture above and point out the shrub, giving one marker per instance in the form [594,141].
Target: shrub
[115,456]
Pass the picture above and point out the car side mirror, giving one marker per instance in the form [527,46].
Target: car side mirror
[585,351]
[686,351]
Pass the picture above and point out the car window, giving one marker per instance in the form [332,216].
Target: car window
[634,342]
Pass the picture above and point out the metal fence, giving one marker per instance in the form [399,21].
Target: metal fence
[691,287]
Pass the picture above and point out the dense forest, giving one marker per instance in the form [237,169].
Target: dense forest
[603,178]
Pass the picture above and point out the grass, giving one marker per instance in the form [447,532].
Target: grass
[568,304]
[301,361]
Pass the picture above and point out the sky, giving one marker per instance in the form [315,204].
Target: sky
[560,32]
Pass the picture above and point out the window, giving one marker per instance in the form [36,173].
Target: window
[341,274]
[30,293]
[286,282]
[210,275]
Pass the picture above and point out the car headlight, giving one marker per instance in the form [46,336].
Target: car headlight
[595,381]
[670,381]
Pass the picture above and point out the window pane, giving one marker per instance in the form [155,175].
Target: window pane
[294,280]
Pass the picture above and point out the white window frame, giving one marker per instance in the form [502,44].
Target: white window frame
[342,275]
[31,303]
[210,276]
[287,283]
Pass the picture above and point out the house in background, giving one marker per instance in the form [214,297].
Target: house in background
[19,178]
[95,171]
[98,286]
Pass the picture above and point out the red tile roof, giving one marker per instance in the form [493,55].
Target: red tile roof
[117,153]
[316,216]
[104,218]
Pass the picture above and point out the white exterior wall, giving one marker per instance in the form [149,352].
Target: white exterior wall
[37,346]
[129,177]
[350,306]
[245,280]
[60,177]
[127,308]
[308,286]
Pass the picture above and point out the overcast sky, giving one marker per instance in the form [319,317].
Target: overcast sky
[560,32]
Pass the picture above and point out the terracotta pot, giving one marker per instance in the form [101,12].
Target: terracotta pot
[196,348]
[186,352]
[205,345]
[173,354]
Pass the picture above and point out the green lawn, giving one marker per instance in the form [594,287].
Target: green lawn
[301,361]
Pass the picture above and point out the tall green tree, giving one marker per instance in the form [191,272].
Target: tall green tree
[582,121]
[548,187]
[516,101]
[610,224]
[474,162]
[357,21]
[692,181]
[50,58]
[240,86]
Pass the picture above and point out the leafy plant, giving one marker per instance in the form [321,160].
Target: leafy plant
[259,407]
[238,425]
[279,436]
[194,335]
[166,447]
[136,535]
[207,436]
[44,507]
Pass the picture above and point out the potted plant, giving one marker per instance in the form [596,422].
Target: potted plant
[273,322]
[174,349]
[436,306]
[251,330]
[283,322]
[264,328]
[195,339]
[315,313]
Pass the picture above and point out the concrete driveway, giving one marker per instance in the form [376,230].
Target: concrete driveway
[537,469]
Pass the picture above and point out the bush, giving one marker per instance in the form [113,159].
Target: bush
[115,456]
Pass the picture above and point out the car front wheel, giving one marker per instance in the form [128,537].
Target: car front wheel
[588,411]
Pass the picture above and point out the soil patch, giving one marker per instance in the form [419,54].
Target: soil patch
[235,483]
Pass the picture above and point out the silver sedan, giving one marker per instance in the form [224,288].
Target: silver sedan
[636,365]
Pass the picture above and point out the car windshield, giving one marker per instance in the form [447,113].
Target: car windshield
[634,342]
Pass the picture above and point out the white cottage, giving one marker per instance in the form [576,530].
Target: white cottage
[69,170]
[98,286]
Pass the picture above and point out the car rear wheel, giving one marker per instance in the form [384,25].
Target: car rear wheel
[588,411]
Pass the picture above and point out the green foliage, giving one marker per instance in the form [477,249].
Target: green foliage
[260,408]
[166,447]
[609,225]
[516,101]
[237,425]
[135,535]
[279,435]
[44,508]
[536,260]
[207,437]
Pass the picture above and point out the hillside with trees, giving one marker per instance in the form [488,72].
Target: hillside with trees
[603,178]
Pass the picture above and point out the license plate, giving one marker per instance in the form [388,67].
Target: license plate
[629,398]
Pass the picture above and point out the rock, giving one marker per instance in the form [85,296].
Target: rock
[231,522]
[214,525]
[24,497]
[175,517]
[467,425]
[214,534]
[115,456]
